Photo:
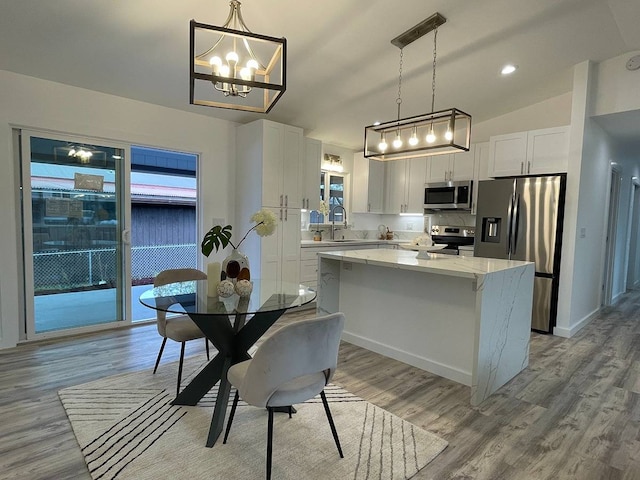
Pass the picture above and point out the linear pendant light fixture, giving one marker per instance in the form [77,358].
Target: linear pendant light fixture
[436,133]
[228,71]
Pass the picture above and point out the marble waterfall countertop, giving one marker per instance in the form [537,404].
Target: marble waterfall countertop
[451,265]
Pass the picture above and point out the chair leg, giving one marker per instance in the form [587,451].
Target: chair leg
[164,341]
[269,442]
[206,345]
[331,424]
[180,368]
[233,412]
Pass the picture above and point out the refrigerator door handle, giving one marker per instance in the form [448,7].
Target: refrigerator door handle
[509,227]
[516,223]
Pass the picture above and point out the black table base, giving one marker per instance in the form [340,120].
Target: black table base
[233,341]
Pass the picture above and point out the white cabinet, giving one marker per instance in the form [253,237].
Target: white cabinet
[533,152]
[405,185]
[268,172]
[280,252]
[395,176]
[481,157]
[309,260]
[367,185]
[454,167]
[416,174]
[311,174]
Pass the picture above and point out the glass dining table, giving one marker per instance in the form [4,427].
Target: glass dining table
[233,325]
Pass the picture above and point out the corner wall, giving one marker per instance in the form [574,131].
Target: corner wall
[38,104]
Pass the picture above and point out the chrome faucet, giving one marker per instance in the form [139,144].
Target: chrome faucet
[333,220]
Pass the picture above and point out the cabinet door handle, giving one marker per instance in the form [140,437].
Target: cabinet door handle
[450,174]
[286,215]
[286,200]
[529,167]
[280,214]
[521,167]
[368,207]
[307,204]
[281,199]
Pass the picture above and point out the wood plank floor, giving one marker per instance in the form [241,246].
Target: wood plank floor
[573,414]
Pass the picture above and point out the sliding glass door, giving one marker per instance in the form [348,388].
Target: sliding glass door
[75,239]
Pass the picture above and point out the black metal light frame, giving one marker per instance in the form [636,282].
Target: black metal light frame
[271,91]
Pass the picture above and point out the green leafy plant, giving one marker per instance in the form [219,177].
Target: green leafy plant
[220,236]
[216,237]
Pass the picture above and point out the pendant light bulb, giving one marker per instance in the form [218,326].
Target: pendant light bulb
[449,134]
[397,142]
[431,137]
[413,140]
[382,146]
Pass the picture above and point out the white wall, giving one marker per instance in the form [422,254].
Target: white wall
[40,104]
[618,88]
[553,112]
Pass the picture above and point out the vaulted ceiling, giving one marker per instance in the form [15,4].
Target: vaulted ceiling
[342,68]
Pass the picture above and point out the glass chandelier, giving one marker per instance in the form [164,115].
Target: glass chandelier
[229,73]
[435,133]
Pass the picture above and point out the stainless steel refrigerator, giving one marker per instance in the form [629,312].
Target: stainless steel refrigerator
[521,219]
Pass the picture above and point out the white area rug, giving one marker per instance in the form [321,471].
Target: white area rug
[127,429]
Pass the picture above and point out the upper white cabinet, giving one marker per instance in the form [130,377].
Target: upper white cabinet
[272,154]
[532,152]
[446,168]
[368,185]
[405,185]
[481,156]
[396,196]
[311,174]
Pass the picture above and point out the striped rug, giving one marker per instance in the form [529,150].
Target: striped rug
[127,429]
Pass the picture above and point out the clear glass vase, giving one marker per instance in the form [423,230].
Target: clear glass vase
[236,267]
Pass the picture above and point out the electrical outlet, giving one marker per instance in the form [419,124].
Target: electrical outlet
[583,232]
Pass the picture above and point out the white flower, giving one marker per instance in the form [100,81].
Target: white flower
[265,222]
[323,208]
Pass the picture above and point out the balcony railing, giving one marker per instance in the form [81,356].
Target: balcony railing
[74,270]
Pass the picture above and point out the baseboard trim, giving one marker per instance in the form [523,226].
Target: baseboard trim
[423,363]
[575,328]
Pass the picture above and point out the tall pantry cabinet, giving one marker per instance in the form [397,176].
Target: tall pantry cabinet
[268,175]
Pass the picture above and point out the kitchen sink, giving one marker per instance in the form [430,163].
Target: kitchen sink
[343,240]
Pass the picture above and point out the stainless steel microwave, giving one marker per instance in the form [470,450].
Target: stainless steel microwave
[448,195]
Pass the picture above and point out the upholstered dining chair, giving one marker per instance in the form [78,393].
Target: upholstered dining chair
[291,366]
[178,328]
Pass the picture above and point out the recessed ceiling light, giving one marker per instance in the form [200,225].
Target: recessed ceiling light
[508,69]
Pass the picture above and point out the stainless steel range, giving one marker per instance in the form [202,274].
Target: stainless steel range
[453,237]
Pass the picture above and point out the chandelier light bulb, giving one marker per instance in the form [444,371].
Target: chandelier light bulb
[253,64]
[413,140]
[382,146]
[245,73]
[431,137]
[232,57]
[224,70]
[397,142]
[72,152]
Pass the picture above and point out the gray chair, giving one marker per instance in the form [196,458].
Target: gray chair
[178,328]
[291,366]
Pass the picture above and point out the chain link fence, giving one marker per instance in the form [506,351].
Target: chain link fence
[73,270]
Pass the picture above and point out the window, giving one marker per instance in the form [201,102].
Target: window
[332,191]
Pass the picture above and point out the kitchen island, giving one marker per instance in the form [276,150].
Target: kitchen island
[467,319]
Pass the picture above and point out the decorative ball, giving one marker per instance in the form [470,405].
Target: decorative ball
[225,288]
[244,288]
